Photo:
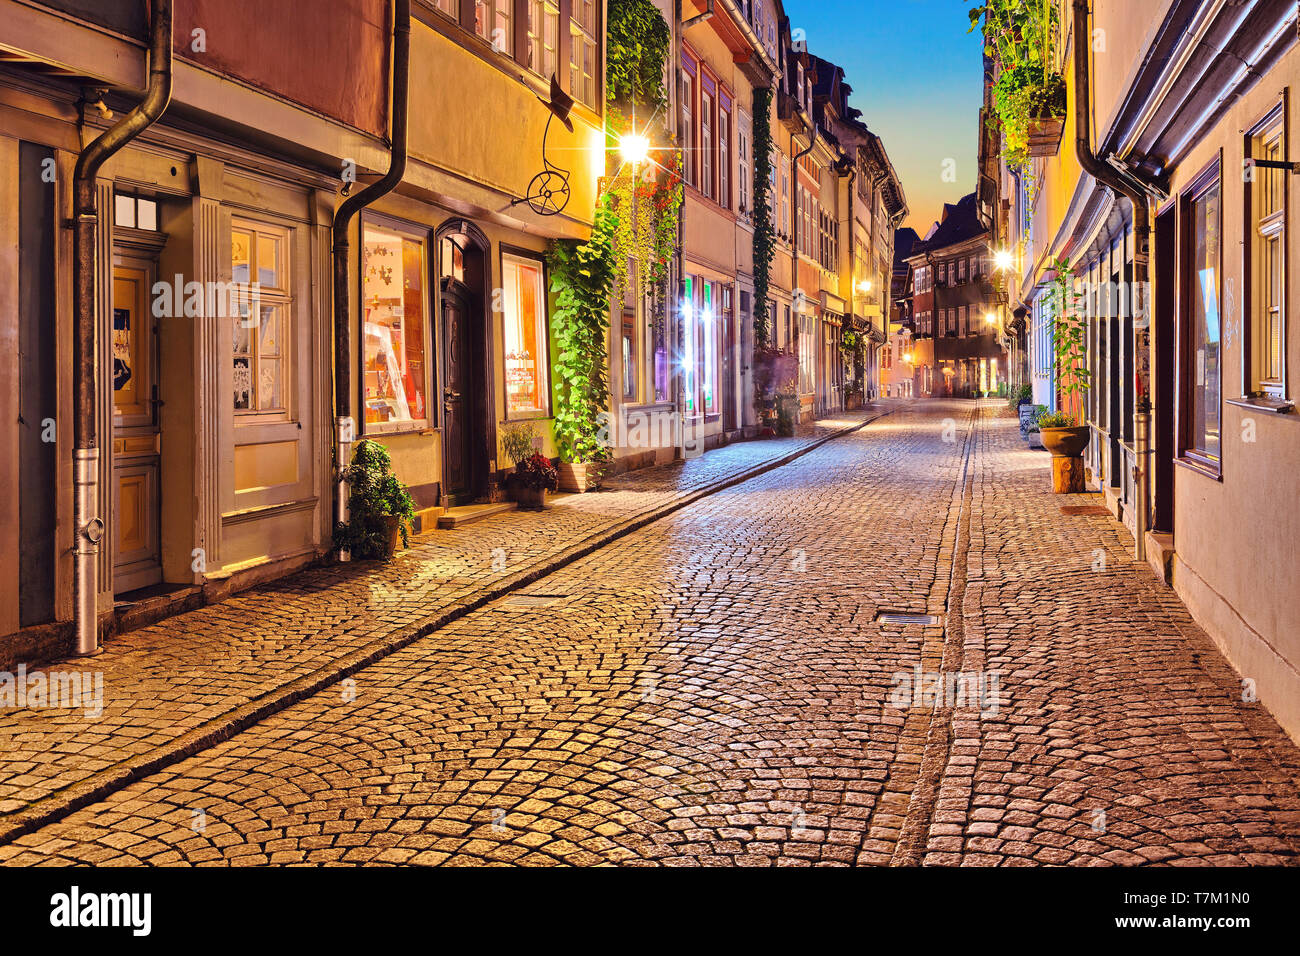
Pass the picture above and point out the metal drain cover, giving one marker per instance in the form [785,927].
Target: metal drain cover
[532,600]
[903,617]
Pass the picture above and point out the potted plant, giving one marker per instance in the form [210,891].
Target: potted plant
[379,507]
[787,412]
[775,372]
[1063,435]
[518,443]
[533,478]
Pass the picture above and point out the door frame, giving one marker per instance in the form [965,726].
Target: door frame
[483,449]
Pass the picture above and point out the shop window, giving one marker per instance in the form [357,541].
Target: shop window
[543,37]
[1266,333]
[688,342]
[582,53]
[394,321]
[263,320]
[524,321]
[628,353]
[709,348]
[1200,354]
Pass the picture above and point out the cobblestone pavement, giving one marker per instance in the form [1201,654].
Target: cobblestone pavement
[715,688]
[189,672]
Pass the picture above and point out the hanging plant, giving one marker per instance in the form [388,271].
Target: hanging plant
[1021,35]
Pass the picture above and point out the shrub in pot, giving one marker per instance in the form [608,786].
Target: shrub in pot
[533,478]
[379,507]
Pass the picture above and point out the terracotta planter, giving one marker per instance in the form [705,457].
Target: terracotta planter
[392,535]
[1066,442]
[1045,135]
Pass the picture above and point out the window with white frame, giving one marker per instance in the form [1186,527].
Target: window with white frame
[543,37]
[706,143]
[583,53]
[686,97]
[492,23]
[263,321]
[1266,361]
[724,155]
[743,133]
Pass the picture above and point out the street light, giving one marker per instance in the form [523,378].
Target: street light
[990,318]
[634,147]
[864,286]
[1003,259]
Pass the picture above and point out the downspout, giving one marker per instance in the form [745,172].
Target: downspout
[853,287]
[89,526]
[345,426]
[794,229]
[1107,175]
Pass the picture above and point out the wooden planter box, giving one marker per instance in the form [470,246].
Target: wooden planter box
[1045,135]
[576,478]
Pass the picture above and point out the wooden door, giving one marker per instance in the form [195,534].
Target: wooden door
[728,372]
[457,396]
[135,516]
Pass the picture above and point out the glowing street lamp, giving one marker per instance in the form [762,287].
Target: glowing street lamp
[991,319]
[634,147]
[864,286]
[1003,259]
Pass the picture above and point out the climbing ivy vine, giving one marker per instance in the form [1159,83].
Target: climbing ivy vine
[764,238]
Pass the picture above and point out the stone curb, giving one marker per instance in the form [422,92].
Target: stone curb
[215,730]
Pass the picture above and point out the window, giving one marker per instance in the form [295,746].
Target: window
[582,53]
[724,155]
[1265,372]
[262,320]
[492,23]
[449,7]
[706,144]
[395,374]
[687,98]
[524,321]
[135,212]
[1200,333]
[628,353]
[709,347]
[543,37]
[688,342]
[785,195]
[742,149]
[807,353]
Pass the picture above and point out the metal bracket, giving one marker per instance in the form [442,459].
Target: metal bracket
[1271,164]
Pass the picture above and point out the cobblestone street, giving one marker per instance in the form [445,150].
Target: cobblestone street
[716,688]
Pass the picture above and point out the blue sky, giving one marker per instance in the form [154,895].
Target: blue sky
[916,76]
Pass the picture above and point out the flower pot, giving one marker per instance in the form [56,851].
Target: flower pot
[1066,442]
[1045,135]
[392,534]
[530,499]
[574,477]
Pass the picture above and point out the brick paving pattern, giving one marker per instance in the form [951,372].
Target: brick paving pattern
[173,677]
[715,689]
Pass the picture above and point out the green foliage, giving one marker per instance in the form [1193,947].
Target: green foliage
[1055,420]
[638,40]
[582,279]
[764,236]
[517,441]
[375,494]
[537,472]
[1069,339]
[1021,35]
[1021,395]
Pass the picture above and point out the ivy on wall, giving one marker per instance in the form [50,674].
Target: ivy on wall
[764,238]
[636,219]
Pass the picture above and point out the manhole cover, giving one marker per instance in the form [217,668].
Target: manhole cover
[902,617]
[1084,510]
[532,600]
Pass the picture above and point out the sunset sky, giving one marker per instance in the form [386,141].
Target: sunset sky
[916,75]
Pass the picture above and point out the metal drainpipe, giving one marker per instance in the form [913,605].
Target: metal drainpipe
[794,229]
[89,526]
[345,426]
[1105,174]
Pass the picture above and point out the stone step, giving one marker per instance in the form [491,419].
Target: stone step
[468,514]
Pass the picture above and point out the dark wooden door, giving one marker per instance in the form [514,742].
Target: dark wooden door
[457,393]
[1164,343]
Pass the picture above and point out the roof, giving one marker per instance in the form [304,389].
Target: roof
[960,223]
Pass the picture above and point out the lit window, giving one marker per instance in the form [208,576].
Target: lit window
[582,53]
[629,357]
[709,335]
[135,212]
[492,23]
[543,37]
[262,321]
[393,302]
[525,336]
[1268,194]
[688,341]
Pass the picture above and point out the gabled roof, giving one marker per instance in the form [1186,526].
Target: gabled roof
[960,223]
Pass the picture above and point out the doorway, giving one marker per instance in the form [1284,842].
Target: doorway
[1162,346]
[136,439]
[468,436]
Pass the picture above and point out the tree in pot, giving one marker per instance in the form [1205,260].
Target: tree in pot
[518,443]
[1062,433]
[533,478]
[379,507]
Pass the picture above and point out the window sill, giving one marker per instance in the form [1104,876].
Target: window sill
[1202,466]
[390,430]
[1274,406]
